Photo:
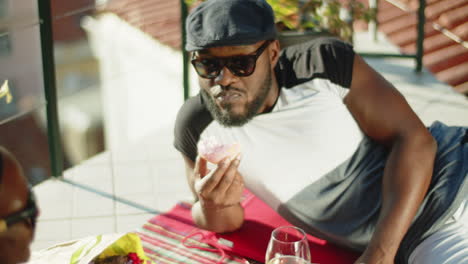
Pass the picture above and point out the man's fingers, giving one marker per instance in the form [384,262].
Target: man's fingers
[212,179]
[238,180]
[234,192]
[200,169]
[229,176]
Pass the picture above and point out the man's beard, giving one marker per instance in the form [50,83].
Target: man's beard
[226,117]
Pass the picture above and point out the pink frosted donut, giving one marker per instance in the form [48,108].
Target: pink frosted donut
[213,151]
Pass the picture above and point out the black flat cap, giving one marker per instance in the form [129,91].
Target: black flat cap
[217,23]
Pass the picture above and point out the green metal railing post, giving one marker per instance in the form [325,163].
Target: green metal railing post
[185,66]
[373,25]
[418,55]
[420,43]
[48,67]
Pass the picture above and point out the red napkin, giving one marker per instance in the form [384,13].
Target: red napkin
[251,240]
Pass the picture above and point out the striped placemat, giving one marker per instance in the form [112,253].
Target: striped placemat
[162,239]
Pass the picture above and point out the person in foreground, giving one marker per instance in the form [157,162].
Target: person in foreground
[18,211]
[326,141]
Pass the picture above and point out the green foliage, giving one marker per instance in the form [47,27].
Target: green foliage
[191,2]
[286,12]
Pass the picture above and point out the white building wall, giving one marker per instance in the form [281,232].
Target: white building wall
[141,79]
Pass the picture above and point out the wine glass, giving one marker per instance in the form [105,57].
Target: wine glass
[288,260]
[288,245]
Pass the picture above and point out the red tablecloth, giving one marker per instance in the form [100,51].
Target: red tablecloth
[162,236]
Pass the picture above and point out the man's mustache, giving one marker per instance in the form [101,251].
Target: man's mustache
[218,89]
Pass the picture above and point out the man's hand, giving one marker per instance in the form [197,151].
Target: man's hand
[221,187]
[219,192]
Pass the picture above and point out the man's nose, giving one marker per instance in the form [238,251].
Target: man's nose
[225,77]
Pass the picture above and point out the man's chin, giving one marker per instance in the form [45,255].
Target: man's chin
[232,120]
[21,258]
[25,256]
[228,115]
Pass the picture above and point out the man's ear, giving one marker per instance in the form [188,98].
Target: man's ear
[273,52]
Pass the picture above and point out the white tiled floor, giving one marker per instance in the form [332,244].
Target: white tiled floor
[82,227]
[151,173]
[55,201]
[128,221]
[53,230]
[148,200]
[135,178]
[88,204]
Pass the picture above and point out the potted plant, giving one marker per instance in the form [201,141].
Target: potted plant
[299,20]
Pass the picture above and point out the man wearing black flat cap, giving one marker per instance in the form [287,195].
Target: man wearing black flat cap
[326,141]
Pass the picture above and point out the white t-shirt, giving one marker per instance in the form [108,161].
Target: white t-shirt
[308,133]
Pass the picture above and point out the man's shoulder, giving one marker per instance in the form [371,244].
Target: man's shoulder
[317,44]
[322,57]
[192,113]
[316,41]
[192,119]
[193,106]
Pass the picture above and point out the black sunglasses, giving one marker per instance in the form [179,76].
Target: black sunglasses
[29,214]
[240,65]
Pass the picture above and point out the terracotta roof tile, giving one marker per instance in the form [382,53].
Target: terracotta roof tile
[435,10]
[454,17]
[66,19]
[462,30]
[431,44]
[415,3]
[401,23]
[455,75]
[446,58]
[158,18]
[408,36]
[383,6]
[391,12]
[446,35]
[462,88]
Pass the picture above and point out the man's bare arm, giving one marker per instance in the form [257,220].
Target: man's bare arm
[218,194]
[384,115]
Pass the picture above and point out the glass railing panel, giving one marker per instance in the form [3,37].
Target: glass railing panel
[18,14]
[23,126]
[21,77]
[77,73]
[25,136]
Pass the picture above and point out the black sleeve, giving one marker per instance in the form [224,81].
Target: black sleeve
[191,120]
[323,57]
